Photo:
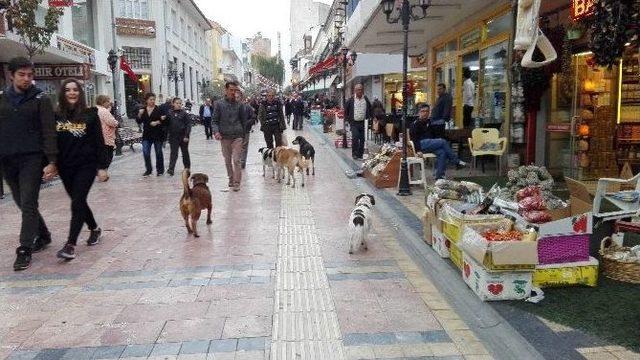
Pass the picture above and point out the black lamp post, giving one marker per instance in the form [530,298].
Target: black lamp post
[345,61]
[405,16]
[112,60]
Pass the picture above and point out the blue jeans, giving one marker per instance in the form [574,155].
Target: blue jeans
[146,152]
[443,152]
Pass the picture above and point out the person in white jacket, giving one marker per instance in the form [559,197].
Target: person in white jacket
[109,124]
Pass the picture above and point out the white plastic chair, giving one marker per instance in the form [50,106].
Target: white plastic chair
[481,136]
[627,209]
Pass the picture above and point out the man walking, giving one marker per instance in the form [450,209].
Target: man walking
[27,141]
[206,113]
[229,126]
[287,110]
[468,90]
[179,125]
[297,107]
[250,115]
[441,113]
[357,109]
[271,119]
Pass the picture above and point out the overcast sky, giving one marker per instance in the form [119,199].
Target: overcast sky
[244,18]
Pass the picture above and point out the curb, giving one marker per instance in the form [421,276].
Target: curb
[494,331]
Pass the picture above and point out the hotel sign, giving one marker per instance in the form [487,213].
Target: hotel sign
[581,9]
[61,71]
[136,27]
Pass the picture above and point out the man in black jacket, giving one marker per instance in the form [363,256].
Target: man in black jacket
[297,107]
[357,109]
[271,118]
[206,114]
[179,125]
[27,144]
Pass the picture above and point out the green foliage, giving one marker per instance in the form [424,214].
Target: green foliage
[213,89]
[270,67]
[33,36]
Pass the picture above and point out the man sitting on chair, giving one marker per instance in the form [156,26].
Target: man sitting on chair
[428,138]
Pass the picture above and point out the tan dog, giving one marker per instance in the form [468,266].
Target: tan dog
[194,200]
[289,159]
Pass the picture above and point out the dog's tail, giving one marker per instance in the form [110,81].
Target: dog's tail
[186,193]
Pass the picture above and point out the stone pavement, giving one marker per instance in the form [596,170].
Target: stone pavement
[270,279]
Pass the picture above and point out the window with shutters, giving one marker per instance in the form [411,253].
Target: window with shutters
[138,57]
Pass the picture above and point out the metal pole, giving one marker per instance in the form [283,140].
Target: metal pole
[115,80]
[344,101]
[403,186]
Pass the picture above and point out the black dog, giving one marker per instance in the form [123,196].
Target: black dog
[307,151]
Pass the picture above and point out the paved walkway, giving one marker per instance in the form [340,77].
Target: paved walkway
[270,279]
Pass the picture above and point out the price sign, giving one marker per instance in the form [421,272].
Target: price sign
[581,9]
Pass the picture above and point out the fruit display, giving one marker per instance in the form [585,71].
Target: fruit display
[380,160]
[458,190]
[531,175]
[503,235]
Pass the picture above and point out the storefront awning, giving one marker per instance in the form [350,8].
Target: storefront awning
[369,32]
[327,64]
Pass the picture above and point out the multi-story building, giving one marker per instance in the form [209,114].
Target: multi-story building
[215,37]
[75,51]
[305,15]
[232,57]
[259,45]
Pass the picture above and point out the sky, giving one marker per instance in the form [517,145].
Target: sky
[244,18]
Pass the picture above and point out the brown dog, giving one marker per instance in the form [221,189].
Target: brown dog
[194,200]
[289,159]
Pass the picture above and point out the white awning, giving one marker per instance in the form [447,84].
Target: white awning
[323,84]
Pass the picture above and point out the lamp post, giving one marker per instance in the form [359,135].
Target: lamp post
[405,15]
[345,61]
[112,60]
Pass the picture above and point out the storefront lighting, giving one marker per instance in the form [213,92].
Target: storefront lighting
[584,53]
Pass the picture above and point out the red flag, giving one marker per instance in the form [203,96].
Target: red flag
[124,66]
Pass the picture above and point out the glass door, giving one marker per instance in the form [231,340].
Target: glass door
[493,90]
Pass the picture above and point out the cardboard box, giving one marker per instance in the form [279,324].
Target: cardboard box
[560,225]
[491,286]
[440,244]
[451,231]
[580,199]
[427,220]
[499,255]
[455,254]
[568,274]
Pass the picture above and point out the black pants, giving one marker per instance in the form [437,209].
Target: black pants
[109,154]
[467,120]
[1,182]
[78,182]
[297,122]
[271,134]
[23,174]
[208,131]
[174,145]
[357,139]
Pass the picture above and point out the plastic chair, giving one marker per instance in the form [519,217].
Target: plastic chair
[481,136]
[608,187]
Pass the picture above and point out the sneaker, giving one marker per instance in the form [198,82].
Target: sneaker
[461,164]
[41,242]
[94,238]
[68,252]
[146,173]
[23,258]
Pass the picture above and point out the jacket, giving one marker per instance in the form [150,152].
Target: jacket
[424,129]
[81,142]
[109,126]
[297,107]
[202,110]
[441,112]
[270,116]
[151,133]
[28,127]
[348,113]
[179,124]
[229,119]
[250,116]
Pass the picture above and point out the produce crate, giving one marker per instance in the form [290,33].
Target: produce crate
[499,255]
[489,286]
[455,254]
[567,274]
[563,249]
[451,231]
[440,244]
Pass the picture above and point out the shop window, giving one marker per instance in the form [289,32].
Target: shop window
[452,47]
[493,75]
[470,39]
[498,25]
[139,58]
[134,9]
[82,19]
[441,53]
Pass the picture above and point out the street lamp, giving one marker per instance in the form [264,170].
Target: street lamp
[345,61]
[405,14]
[112,60]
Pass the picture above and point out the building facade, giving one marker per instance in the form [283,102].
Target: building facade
[305,15]
[232,57]
[215,38]
[259,45]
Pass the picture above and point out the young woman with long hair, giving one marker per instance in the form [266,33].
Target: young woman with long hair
[82,155]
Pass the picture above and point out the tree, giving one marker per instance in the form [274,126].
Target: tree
[270,67]
[213,89]
[35,37]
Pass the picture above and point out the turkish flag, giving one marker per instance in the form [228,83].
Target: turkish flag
[60,3]
[124,66]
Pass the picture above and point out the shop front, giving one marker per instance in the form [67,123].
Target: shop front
[482,48]
[417,89]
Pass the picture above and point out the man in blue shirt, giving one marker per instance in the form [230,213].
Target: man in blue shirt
[206,114]
[428,138]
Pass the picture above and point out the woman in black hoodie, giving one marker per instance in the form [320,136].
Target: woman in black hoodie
[82,156]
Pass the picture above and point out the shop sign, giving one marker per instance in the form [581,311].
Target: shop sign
[61,71]
[419,61]
[581,9]
[559,128]
[75,48]
[60,3]
[135,27]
